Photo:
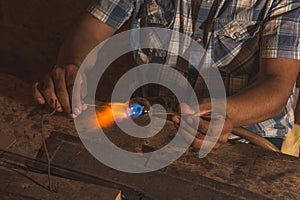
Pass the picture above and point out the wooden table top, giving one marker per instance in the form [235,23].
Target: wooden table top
[234,171]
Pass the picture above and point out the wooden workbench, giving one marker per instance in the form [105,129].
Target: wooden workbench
[234,171]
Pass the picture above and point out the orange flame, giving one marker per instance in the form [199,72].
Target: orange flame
[112,112]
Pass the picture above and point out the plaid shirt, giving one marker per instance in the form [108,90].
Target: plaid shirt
[236,34]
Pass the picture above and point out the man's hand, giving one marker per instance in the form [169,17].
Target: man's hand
[60,83]
[203,120]
[58,86]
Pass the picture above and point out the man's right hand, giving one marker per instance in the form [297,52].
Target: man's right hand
[56,89]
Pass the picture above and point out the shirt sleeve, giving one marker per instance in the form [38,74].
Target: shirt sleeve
[280,36]
[112,12]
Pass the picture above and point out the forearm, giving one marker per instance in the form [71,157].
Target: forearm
[86,35]
[259,102]
[264,99]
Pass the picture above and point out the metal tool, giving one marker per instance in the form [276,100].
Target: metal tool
[139,107]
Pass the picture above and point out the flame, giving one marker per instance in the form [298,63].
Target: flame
[112,112]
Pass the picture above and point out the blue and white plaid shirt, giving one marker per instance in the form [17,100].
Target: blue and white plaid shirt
[236,34]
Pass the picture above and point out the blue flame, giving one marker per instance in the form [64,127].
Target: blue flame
[136,110]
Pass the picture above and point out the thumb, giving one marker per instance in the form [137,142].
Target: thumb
[187,113]
[76,97]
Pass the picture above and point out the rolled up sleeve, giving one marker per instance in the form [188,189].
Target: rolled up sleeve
[280,36]
[112,12]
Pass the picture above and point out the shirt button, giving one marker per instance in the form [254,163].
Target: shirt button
[237,35]
[208,1]
[198,40]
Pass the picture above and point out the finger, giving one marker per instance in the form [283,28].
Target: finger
[194,126]
[188,115]
[184,130]
[203,125]
[77,104]
[210,141]
[205,144]
[190,128]
[74,89]
[83,86]
[83,91]
[214,124]
[84,106]
[218,128]
[58,75]
[224,138]
[186,109]
[187,137]
[197,123]
[198,143]
[37,94]
[226,131]
[195,142]
[49,93]
[176,119]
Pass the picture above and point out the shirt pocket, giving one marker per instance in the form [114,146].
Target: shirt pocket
[235,30]
[236,43]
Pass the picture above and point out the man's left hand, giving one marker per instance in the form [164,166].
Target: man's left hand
[205,122]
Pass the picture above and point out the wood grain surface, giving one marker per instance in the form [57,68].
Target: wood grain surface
[234,171]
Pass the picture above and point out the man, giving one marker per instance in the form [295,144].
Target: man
[254,43]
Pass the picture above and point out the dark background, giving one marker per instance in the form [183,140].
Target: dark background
[32,32]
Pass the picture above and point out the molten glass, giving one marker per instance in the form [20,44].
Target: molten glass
[136,110]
